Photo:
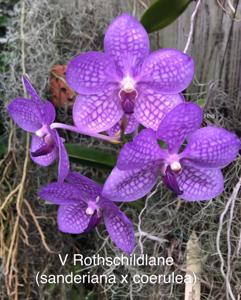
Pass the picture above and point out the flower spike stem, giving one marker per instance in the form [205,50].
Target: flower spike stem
[113,140]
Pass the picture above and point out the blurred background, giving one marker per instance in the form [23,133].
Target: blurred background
[39,38]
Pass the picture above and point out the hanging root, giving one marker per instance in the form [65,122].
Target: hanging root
[229,207]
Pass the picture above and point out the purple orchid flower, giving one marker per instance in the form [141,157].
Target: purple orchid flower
[81,207]
[36,116]
[190,165]
[126,80]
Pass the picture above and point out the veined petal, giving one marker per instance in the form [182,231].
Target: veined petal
[63,167]
[73,219]
[91,72]
[26,114]
[212,147]
[87,187]
[43,160]
[142,150]
[152,106]
[168,71]
[31,90]
[132,125]
[48,112]
[97,112]
[130,185]
[178,124]
[199,184]
[45,108]
[61,193]
[115,130]
[119,227]
[126,40]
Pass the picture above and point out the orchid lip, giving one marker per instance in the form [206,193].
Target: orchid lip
[128,100]
[44,134]
[48,139]
[169,179]
[44,150]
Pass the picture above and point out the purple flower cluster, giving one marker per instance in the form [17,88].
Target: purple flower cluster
[190,165]
[117,90]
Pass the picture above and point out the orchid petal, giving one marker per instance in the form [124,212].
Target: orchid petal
[31,90]
[126,41]
[26,114]
[87,187]
[63,167]
[98,112]
[130,185]
[180,122]
[132,125]
[43,160]
[115,130]
[90,72]
[119,228]
[199,184]
[48,112]
[61,193]
[168,71]
[212,147]
[46,109]
[141,151]
[152,107]
[73,219]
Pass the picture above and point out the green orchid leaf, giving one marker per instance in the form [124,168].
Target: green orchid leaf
[162,13]
[91,157]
